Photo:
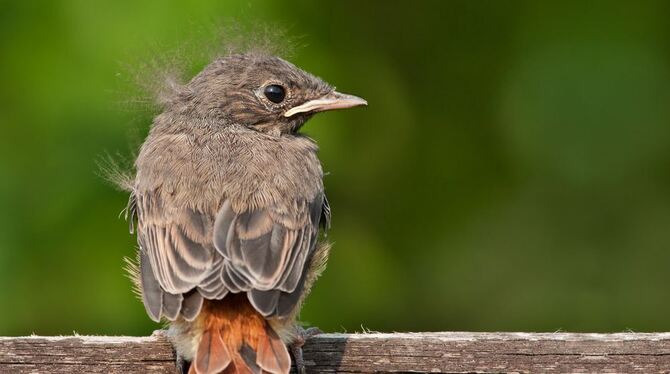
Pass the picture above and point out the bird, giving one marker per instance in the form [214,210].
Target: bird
[228,203]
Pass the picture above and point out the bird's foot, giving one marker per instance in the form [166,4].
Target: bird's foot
[296,347]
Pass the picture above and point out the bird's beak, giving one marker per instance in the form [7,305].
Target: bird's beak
[330,101]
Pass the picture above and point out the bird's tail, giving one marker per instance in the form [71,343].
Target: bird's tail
[236,339]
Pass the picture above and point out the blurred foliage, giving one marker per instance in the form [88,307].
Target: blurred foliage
[512,171]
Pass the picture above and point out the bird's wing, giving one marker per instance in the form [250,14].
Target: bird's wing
[177,259]
[263,252]
[266,251]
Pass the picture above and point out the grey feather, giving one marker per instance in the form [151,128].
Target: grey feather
[291,276]
[228,282]
[249,356]
[224,219]
[265,302]
[261,259]
[233,280]
[288,300]
[152,295]
[190,258]
[130,212]
[325,214]
[191,305]
[166,261]
[171,305]
[253,224]
[212,286]
[195,221]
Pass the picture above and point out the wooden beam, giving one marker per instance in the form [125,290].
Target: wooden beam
[443,352]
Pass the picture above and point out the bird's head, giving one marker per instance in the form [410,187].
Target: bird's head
[261,92]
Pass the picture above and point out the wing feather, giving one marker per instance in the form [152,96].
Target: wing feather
[186,255]
[172,305]
[191,305]
[152,295]
[266,251]
[174,259]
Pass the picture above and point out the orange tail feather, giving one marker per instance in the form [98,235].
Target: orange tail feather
[236,339]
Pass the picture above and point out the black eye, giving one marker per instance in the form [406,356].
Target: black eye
[275,93]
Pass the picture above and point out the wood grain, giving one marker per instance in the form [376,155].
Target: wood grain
[443,352]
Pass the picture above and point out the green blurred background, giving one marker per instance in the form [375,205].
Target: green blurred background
[512,171]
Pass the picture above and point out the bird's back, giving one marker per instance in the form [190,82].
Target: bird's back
[227,225]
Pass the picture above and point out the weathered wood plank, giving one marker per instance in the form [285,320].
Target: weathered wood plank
[86,354]
[446,352]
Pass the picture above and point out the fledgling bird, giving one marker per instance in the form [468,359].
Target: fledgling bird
[229,198]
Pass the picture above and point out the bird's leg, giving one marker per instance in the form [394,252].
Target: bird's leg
[183,366]
[296,347]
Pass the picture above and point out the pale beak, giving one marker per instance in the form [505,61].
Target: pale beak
[329,101]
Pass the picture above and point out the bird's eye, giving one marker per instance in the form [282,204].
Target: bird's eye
[275,93]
